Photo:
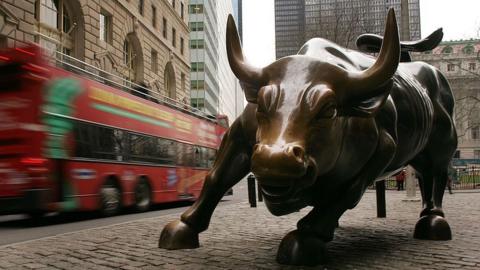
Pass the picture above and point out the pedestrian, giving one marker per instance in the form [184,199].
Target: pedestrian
[400,178]
[449,185]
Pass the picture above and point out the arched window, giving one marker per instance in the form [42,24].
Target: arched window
[128,57]
[169,81]
[447,49]
[468,49]
[133,58]
[60,26]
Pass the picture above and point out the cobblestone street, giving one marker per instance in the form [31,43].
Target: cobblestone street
[241,237]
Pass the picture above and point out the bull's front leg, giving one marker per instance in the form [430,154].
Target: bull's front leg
[231,165]
[306,245]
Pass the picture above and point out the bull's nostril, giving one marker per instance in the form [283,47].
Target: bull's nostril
[298,151]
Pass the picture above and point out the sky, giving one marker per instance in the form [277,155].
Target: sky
[460,19]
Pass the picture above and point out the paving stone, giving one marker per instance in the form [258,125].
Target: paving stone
[240,237]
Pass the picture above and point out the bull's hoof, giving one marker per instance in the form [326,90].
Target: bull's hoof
[300,248]
[178,235]
[432,227]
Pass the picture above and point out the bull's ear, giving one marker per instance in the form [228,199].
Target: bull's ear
[366,107]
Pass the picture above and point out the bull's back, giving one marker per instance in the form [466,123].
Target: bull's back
[417,96]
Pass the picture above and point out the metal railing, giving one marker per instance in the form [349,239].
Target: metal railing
[466,178]
[461,179]
[79,67]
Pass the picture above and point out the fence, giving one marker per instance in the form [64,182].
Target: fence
[462,178]
[466,178]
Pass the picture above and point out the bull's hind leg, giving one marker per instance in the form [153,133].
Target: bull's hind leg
[432,166]
[231,165]
[432,224]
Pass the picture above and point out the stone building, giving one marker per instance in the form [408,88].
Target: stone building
[144,41]
[459,61]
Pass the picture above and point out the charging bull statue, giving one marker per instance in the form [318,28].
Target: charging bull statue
[319,128]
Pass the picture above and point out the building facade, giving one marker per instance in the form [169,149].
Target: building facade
[203,55]
[289,26]
[459,61]
[340,21]
[214,88]
[144,41]
[230,94]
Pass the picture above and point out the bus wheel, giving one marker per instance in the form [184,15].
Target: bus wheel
[143,196]
[110,199]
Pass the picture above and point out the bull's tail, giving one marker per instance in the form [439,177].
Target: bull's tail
[371,43]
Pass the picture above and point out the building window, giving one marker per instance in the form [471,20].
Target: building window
[197,66]
[164,27]
[169,78]
[197,85]
[447,49]
[198,103]
[154,61]
[475,132]
[128,60]
[140,6]
[173,4]
[450,67]
[105,27]
[181,45]
[182,82]
[36,12]
[197,44]
[476,154]
[182,7]
[54,14]
[468,49]
[195,9]
[154,16]
[3,42]
[196,26]
[174,37]
[472,66]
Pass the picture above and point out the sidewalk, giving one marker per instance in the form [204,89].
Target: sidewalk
[241,237]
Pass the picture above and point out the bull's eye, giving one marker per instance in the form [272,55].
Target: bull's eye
[328,111]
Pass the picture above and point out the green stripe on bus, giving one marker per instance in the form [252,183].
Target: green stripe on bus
[124,113]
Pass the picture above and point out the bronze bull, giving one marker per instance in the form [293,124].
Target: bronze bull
[319,128]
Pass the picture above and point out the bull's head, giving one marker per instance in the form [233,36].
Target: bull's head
[300,100]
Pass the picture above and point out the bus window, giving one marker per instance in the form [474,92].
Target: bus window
[211,153]
[188,159]
[142,148]
[166,151]
[94,142]
[119,144]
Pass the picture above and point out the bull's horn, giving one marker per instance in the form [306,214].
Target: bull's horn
[366,83]
[240,68]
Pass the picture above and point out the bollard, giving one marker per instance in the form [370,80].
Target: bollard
[260,196]
[252,198]
[380,190]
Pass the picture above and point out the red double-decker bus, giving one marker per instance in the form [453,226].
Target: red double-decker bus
[69,142]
